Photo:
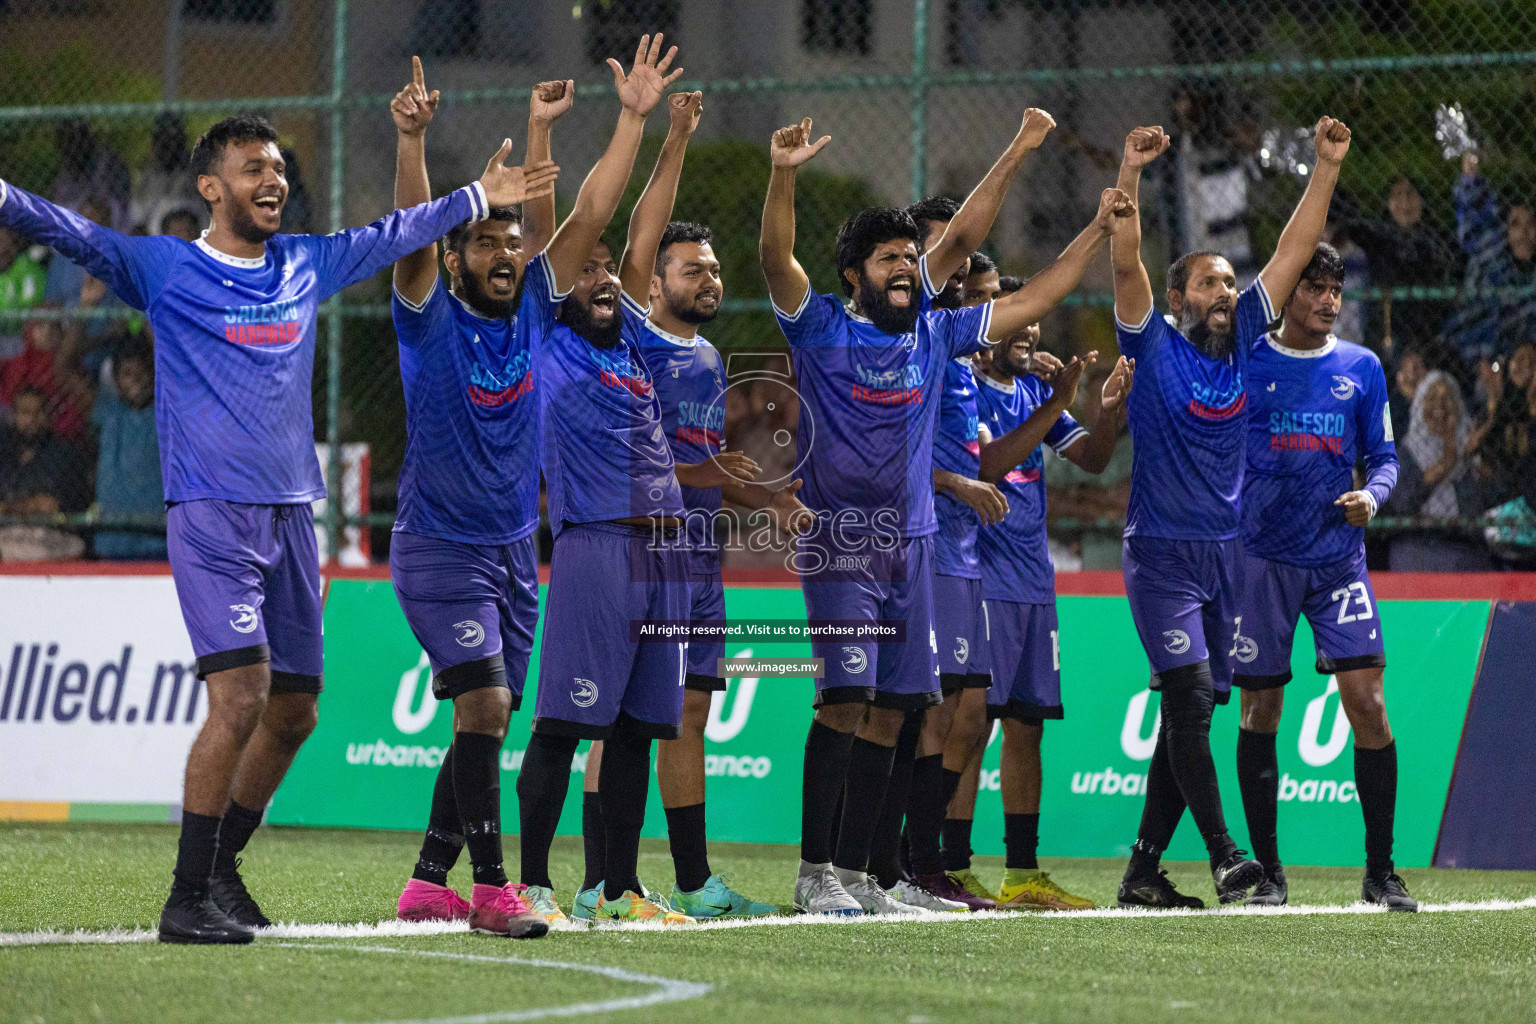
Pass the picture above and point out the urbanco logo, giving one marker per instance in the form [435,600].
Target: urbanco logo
[1135,738]
[720,727]
[1314,750]
[412,714]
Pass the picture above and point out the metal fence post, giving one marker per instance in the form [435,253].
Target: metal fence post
[919,94]
[334,511]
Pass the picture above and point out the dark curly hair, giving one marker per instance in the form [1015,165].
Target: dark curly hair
[925,212]
[209,149]
[680,231]
[1325,265]
[981,263]
[1008,284]
[458,235]
[861,233]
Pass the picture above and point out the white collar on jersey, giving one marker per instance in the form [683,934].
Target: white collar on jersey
[993,382]
[848,308]
[1273,339]
[224,257]
[680,342]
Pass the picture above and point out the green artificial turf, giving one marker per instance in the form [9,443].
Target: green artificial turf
[1472,965]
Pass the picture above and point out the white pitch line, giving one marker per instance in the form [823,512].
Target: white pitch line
[407,929]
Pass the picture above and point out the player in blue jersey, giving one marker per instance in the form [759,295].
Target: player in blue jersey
[464,560]
[1182,560]
[234,319]
[1318,407]
[869,376]
[1018,580]
[684,294]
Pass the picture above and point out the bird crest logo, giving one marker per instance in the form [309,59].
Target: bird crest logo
[1178,641]
[471,633]
[1343,388]
[585,694]
[962,649]
[244,620]
[854,660]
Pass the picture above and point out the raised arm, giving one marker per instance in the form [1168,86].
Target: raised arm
[549,101]
[787,283]
[1298,242]
[1046,289]
[639,92]
[1133,289]
[412,108]
[649,221]
[1003,454]
[973,221]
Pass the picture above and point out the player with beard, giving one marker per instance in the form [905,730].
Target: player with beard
[869,378]
[1182,560]
[234,320]
[1319,406]
[1019,583]
[464,559]
[684,292]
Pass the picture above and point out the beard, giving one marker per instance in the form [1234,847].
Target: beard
[243,226]
[1002,362]
[952,296]
[481,300]
[579,318]
[1197,328]
[890,318]
[687,310]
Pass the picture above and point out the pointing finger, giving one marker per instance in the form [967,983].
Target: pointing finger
[417,75]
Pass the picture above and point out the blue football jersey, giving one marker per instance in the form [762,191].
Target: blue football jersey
[471,468]
[1016,554]
[957,449]
[1313,415]
[690,388]
[605,456]
[1188,419]
[869,402]
[235,338]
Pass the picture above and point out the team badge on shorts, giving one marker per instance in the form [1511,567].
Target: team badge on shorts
[854,660]
[1243,647]
[244,620]
[1178,641]
[585,694]
[962,649]
[471,633]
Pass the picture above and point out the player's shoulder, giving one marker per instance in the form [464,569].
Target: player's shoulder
[813,305]
[433,303]
[1353,354]
[1152,323]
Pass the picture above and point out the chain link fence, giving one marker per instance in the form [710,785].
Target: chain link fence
[99,101]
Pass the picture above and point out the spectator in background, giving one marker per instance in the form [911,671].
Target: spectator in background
[166,187]
[128,460]
[1500,438]
[1501,253]
[1436,479]
[1073,492]
[1217,168]
[42,367]
[1401,250]
[1409,374]
[22,286]
[298,211]
[182,224]
[40,474]
[71,288]
[91,170]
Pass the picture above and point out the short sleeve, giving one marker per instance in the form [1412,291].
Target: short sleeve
[1254,314]
[1064,433]
[541,300]
[1138,340]
[812,321]
[634,316]
[961,331]
[414,322]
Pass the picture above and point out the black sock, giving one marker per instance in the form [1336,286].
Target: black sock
[541,786]
[593,840]
[234,832]
[1376,783]
[622,788]
[445,831]
[925,813]
[690,851]
[1160,813]
[957,841]
[885,847]
[869,773]
[195,851]
[1188,701]
[1258,776]
[1021,837]
[821,787]
[477,788]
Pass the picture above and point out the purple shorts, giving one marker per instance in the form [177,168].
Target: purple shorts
[1184,599]
[591,670]
[248,580]
[866,585]
[960,623]
[1026,662]
[1337,600]
[473,608]
[707,594]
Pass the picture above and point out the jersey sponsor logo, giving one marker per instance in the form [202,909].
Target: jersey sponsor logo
[1217,404]
[1243,647]
[585,694]
[622,372]
[1217,413]
[871,396]
[1297,431]
[962,649]
[245,620]
[854,660]
[903,386]
[269,323]
[471,633]
[1023,476]
[701,424]
[1176,641]
[1343,388]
